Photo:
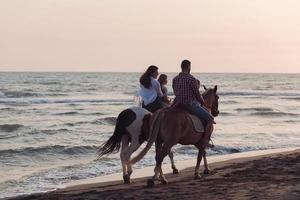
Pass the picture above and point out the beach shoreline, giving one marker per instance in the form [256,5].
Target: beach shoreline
[53,123]
[281,165]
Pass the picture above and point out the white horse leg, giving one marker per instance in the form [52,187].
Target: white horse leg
[171,156]
[129,151]
[125,142]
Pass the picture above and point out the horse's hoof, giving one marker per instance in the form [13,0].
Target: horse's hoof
[197,176]
[206,171]
[126,179]
[175,171]
[164,182]
[150,183]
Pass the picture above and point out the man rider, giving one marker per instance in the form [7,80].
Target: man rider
[187,96]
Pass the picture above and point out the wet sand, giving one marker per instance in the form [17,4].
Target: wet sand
[273,176]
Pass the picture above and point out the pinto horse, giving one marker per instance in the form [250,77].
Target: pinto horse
[171,126]
[131,130]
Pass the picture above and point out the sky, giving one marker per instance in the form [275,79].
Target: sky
[245,36]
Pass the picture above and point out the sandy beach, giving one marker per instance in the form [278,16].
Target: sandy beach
[268,176]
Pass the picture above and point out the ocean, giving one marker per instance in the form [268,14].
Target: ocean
[51,124]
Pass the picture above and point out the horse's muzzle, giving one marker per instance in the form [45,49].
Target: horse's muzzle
[215,113]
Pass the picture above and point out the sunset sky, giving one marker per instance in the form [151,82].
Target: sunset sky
[129,35]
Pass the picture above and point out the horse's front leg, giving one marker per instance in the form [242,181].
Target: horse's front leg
[162,150]
[171,156]
[199,158]
[166,149]
[206,169]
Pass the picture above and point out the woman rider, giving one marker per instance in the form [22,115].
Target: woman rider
[150,91]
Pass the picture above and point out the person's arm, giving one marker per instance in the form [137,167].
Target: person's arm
[195,89]
[165,98]
[158,89]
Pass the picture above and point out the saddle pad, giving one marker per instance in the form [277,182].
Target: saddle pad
[198,125]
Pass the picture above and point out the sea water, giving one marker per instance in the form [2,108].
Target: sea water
[51,124]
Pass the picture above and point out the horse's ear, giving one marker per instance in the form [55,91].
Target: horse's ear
[204,87]
[216,88]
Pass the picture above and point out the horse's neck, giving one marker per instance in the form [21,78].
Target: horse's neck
[208,102]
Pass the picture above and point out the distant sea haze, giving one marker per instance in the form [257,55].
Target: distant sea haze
[51,124]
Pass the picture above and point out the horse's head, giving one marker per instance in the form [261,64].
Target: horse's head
[212,100]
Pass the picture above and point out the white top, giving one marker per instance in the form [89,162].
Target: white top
[149,95]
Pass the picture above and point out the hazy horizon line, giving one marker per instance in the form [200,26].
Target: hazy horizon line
[142,72]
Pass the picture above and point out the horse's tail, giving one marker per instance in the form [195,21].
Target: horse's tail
[154,129]
[113,143]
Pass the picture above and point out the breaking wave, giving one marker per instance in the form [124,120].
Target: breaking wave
[273,114]
[70,101]
[53,150]
[262,94]
[265,111]
[262,109]
[109,120]
[10,127]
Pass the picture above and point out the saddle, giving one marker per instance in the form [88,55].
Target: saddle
[198,125]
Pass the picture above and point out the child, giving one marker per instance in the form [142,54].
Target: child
[163,80]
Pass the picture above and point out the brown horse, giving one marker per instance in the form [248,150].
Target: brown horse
[171,126]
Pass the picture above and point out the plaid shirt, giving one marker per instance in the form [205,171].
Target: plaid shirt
[185,89]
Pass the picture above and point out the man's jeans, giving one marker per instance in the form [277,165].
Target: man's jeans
[196,109]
